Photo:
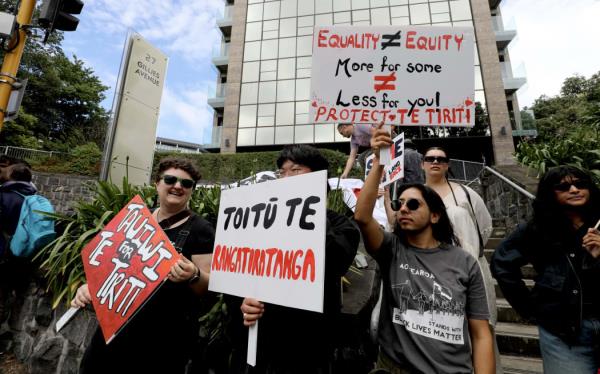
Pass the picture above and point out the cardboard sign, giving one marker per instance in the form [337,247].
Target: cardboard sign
[407,76]
[270,242]
[124,264]
[395,170]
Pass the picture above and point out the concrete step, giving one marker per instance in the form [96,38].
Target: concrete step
[499,295]
[517,339]
[507,314]
[494,242]
[521,365]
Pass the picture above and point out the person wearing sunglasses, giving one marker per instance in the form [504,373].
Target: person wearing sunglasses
[434,314]
[160,337]
[470,218]
[563,245]
[294,341]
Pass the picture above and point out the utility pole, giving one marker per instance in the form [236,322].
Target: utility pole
[12,59]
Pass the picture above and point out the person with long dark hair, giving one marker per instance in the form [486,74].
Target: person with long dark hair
[434,314]
[562,244]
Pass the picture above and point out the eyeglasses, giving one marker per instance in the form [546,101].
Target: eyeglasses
[171,180]
[439,159]
[411,204]
[566,186]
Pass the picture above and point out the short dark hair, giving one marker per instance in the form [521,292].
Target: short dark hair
[178,163]
[19,173]
[442,229]
[437,149]
[342,124]
[303,154]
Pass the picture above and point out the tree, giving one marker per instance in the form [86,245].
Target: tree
[61,107]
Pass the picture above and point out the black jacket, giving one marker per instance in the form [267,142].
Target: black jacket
[11,202]
[555,302]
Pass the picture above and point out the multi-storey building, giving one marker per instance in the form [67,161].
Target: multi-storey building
[264,65]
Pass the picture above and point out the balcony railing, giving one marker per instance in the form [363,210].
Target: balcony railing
[217,100]
[215,141]
[512,80]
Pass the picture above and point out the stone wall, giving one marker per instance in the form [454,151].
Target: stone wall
[63,190]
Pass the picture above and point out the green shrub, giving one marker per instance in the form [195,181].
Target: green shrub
[85,159]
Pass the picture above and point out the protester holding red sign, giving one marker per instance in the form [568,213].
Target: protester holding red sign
[434,314]
[160,336]
[295,341]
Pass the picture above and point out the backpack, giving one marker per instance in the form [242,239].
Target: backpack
[34,230]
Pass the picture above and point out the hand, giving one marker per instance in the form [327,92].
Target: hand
[591,242]
[252,310]
[82,297]
[344,175]
[380,192]
[380,138]
[182,271]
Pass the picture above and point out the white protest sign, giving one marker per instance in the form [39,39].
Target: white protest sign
[395,169]
[270,242]
[407,76]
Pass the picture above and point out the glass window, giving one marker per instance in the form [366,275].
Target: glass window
[343,17]
[285,90]
[287,68]
[288,8]
[254,12]
[271,25]
[285,114]
[266,115]
[324,133]
[255,1]
[249,93]
[306,7]
[265,135]
[440,17]
[252,51]
[268,70]
[340,5]
[270,34]
[323,6]
[246,137]
[287,47]
[250,72]
[271,10]
[379,3]
[269,49]
[303,134]
[360,15]
[417,1]
[460,10]
[419,14]
[247,116]
[266,92]
[401,21]
[324,19]
[284,135]
[303,89]
[305,21]
[304,46]
[380,16]
[360,4]
[253,31]
[462,23]
[287,27]
[399,11]
[441,7]
[398,2]
[304,67]
[302,111]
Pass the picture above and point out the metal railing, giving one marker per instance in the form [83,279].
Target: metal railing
[465,171]
[28,153]
[512,184]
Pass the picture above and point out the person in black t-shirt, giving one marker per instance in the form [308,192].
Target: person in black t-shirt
[294,341]
[145,346]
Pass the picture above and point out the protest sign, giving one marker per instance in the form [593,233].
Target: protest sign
[124,264]
[270,242]
[395,169]
[407,76]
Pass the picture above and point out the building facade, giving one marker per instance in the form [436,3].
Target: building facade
[264,65]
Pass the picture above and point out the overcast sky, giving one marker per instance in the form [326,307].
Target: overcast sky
[556,39]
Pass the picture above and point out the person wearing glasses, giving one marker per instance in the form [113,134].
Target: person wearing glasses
[294,341]
[160,336]
[562,243]
[434,314]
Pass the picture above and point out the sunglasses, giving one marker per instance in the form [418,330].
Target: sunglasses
[411,204]
[439,159]
[171,180]
[566,186]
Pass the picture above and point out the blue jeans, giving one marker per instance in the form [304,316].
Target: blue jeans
[581,358]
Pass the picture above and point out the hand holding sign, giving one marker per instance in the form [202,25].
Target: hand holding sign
[381,140]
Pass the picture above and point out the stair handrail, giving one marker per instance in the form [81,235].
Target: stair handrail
[511,183]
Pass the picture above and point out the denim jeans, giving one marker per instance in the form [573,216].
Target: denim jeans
[581,358]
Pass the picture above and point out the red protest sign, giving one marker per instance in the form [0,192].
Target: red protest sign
[124,264]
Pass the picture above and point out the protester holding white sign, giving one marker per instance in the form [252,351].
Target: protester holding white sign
[291,340]
[434,314]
